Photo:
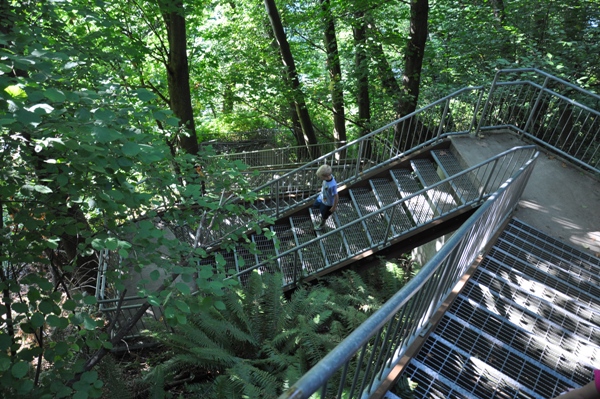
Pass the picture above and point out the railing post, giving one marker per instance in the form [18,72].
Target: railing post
[359,158]
[444,113]
[484,188]
[535,106]
[295,273]
[277,198]
[389,227]
[487,102]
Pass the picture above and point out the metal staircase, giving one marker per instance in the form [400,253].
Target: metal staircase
[526,325]
[379,211]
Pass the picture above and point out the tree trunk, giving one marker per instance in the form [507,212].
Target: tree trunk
[361,65]
[290,69]
[335,74]
[178,76]
[384,69]
[415,51]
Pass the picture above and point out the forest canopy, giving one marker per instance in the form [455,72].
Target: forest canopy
[108,108]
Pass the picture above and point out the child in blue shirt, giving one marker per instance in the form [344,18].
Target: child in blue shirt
[328,197]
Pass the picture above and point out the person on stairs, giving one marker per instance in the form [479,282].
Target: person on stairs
[327,200]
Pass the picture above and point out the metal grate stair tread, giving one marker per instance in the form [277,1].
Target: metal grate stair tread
[540,300]
[366,203]
[358,238]
[535,237]
[418,206]
[464,188]
[387,192]
[526,314]
[442,197]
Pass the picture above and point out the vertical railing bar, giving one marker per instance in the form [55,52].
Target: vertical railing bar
[358,367]
[535,106]
[374,347]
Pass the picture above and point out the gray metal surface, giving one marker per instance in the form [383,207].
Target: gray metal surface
[464,189]
[526,325]
[442,199]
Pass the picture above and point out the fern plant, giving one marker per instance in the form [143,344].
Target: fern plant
[262,342]
[253,348]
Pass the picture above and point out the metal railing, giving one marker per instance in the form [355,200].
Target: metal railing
[280,158]
[360,363]
[380,226]
[454,114]
[553,113]
[509,105]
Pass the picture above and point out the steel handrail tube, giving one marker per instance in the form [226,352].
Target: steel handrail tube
[316,376]
[385,208]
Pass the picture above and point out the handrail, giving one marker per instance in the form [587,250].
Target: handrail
[563,124]
[490,179]
[392,329]
[397,139]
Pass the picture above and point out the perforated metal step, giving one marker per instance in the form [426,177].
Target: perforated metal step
[464,188]
[366,203]
[442,197]
[418,206]
[526,325]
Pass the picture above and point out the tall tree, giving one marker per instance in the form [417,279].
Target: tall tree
[361,70]
[178,76]
[335,73]
[292,73]
[415,52]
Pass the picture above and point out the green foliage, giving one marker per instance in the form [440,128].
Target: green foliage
[404,388]
[261,342]
[84,167]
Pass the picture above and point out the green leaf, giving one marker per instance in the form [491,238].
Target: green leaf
[152,300]
[183,288]
[145,95]
[154,275]
[46,306]
[4,363]
[61,348]
[20,369]
[5,341]
[57,322]
[182,306]
[104,115]
[206,272]
[220,305]
[90,300]
[69,305]
[161,115]
[37,320]
[20,307]
[28,118]
[42,189]
[16,92]
[89,377]
[55,95]
[105,135]
[131,149]
[62,180]
[89,323]
[174,122]
[112,243]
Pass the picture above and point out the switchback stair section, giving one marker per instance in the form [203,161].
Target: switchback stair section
[526,324]
[389,207]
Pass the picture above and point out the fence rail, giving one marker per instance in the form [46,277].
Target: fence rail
[551,112]
[484,179]
[358,365]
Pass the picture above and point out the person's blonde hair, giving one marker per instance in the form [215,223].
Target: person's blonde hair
[324,170]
